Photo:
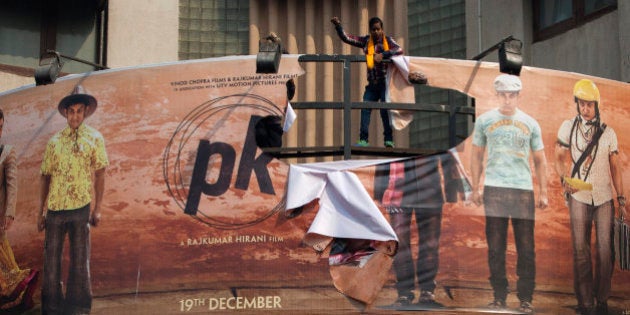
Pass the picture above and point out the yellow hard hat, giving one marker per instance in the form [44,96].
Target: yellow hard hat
[586,90]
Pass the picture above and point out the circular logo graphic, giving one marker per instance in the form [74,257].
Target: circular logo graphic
[213,169]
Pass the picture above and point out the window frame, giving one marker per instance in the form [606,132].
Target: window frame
[578,18]
[48,30]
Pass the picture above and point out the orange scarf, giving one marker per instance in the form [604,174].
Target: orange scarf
[369,58]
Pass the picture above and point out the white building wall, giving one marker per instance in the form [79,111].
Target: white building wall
[10,81]
[142,32]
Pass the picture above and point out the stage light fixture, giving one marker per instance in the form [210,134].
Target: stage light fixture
[268,58]
[510,56]
[50,65]
[48,69]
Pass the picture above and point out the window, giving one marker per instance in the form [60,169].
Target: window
[553,17]
[213,28]
[71,27]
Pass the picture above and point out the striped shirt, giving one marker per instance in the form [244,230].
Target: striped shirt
[378,73]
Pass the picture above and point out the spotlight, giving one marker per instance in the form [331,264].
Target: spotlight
[510,57]
[268,58]
[48,70]
[50,66]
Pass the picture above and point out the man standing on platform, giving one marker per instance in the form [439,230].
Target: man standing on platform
[377,47]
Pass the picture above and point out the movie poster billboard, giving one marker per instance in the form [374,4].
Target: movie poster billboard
[196,218]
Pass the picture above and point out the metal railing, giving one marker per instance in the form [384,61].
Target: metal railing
[348,150]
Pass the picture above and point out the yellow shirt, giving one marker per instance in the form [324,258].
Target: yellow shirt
[70,158]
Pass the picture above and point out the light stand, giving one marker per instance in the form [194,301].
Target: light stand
[510,56]
[50,67]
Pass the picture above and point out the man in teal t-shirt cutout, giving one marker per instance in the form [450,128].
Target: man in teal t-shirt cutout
[509,135]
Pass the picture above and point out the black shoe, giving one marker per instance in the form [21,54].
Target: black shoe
[526,307]
[403,301]
[497,305]
[427,299]
[602,308]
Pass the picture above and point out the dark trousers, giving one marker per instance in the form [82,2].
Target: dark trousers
[375,93]
[502,205]
[583,216]
[78,297]
[428,225]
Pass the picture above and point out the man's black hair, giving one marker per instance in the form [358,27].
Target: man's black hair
[376,19]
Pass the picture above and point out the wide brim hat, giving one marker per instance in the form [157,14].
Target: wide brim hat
[78,95]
